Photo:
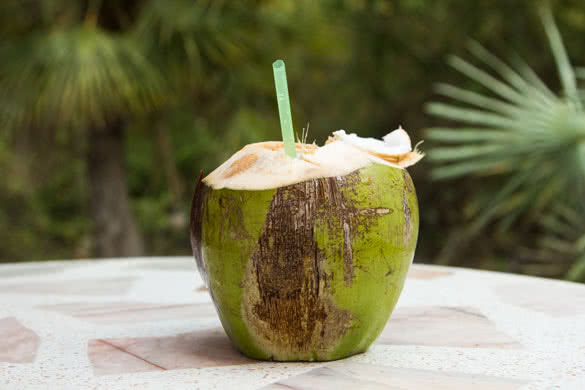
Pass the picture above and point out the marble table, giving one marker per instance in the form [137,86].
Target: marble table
[148,323]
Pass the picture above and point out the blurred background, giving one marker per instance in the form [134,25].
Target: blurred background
[109,110]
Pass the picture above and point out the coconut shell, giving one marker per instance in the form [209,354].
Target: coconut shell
[308,271]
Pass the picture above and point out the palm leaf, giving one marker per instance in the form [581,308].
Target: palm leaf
[22,16]
[522,133]
[75,77]
[565,237]
[522,128]
[564,67]
[197,36]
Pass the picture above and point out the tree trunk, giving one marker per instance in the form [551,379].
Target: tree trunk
[167,159]
[115,233]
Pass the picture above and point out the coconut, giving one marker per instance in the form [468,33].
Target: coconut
[305,258]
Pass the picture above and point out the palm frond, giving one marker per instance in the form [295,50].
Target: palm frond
[566,73]
[488,81]
[529,85]
[564,236]
[76,76]
[22,16]
[197,35]
[521,132]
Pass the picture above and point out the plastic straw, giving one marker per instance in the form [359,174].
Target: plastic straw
[284,108]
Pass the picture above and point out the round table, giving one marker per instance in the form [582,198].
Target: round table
[148,323]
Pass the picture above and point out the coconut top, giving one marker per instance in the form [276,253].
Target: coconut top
[264,165]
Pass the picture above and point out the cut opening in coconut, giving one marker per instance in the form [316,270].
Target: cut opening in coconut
[264,165]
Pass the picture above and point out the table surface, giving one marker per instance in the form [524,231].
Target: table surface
[149,323]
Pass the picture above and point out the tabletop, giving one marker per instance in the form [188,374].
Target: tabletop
[148,323]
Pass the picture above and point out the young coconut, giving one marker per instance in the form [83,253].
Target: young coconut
[306,257]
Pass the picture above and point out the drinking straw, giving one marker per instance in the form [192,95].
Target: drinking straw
[284,108]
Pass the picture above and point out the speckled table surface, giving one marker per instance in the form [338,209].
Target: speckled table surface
[149,324]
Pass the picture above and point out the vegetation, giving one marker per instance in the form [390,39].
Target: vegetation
[530,139]
[109,110]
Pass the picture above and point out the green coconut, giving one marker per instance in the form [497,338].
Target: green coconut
[309,266]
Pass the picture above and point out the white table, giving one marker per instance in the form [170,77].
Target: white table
[148,323]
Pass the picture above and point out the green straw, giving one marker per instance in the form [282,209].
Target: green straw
[284,108]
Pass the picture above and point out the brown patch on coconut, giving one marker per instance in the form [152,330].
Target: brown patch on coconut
[408,225]
[286,301]
[270,145]
[278,145]
[197,211]
[241,165]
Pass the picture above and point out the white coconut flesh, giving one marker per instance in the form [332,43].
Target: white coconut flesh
[264,165]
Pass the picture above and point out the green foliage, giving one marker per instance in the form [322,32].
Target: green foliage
[198,71]
[81,75]
[528,137]
[564,238]
[183,32]
[48,217]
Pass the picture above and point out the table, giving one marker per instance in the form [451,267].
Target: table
[148,323]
